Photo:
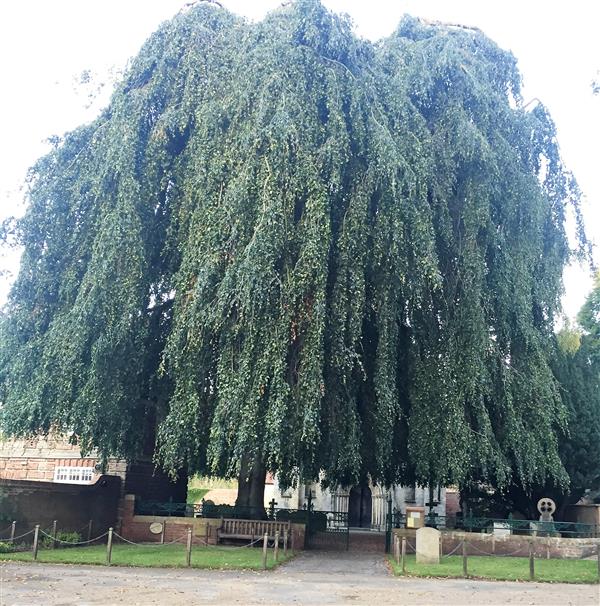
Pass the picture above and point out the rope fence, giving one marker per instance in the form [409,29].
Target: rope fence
[13,539]
[447,555]
[177,540]
[401,547]
[50,529]
[57,540]
[49,538]
[497,555]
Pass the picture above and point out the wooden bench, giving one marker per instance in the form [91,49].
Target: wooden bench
[232,528]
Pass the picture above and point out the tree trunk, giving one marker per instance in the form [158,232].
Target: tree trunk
[251,488]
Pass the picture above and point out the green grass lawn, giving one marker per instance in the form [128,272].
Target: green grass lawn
[504,569]
[195,495]
[154,556]
[210,482]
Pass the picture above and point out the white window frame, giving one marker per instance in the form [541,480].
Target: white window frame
[74,475]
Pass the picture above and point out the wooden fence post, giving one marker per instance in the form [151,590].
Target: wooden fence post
[531,561]
[403,555]
[188,557]
[276,548]
[464,556]
[598,562]
[265,541]
[90,524]
[13,527]
[162,532]
[54,523]
[441,546]
[285,542]
[36,536]
[109,546]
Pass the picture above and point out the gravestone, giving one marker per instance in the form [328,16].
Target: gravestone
[501,529]
[428,546]
[545,527]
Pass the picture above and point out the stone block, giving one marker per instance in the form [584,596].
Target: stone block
[428,546]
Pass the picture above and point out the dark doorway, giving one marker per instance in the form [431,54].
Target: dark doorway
[359,507]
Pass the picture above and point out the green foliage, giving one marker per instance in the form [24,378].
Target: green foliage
[589,320]
[284,242]
[579,375]
[568,339]
[576,366]
[6,547]
[195,495]
[62,540]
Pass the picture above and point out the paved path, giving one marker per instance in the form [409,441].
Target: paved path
[311,579]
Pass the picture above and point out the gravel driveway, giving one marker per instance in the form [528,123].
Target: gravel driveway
[312,578]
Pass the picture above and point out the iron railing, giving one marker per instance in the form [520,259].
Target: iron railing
[513,526]
[208,509]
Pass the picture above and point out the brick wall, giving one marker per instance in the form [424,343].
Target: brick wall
[37,459]
[31,502]
[204,530]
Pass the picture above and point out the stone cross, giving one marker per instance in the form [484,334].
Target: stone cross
[546,507]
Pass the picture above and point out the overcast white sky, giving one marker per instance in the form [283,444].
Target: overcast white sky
[45,44]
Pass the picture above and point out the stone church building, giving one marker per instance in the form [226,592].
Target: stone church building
[366,506]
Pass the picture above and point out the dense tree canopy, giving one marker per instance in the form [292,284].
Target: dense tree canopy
[576,366]
[286,243]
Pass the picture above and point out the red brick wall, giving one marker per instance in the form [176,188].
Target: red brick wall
[137,528]
[36,459]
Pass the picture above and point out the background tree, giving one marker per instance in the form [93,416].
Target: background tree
[576,365]
[299,251]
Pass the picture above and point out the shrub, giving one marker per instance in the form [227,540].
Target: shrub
[6,547]
[62,539]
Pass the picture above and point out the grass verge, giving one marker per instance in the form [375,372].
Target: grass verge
[503,569]
[210,482]
[195,495]
[168,556]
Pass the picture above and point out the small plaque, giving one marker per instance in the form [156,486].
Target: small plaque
[415,514]
[156,527]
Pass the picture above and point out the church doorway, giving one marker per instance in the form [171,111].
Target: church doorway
[360,506]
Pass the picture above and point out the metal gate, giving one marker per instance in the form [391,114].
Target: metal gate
[327,530]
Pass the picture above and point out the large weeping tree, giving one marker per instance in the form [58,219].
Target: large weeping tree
[293,250]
